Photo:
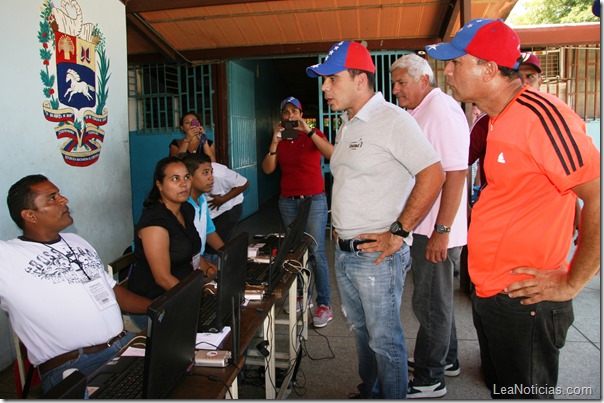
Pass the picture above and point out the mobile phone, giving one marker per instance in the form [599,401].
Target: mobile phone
[290,133]
[195,122]
[288,124]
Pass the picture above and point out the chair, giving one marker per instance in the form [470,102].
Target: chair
[26,375]
[120,267]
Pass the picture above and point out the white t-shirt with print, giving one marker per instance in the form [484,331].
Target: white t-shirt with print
[58,296]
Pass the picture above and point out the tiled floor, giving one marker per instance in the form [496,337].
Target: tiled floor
[328,368]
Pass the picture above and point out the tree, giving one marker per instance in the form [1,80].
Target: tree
[538,12]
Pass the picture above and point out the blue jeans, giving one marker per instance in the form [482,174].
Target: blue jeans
[315,226]
[432,302]
[520,344]
[371,300]
[140,320]
[85,363]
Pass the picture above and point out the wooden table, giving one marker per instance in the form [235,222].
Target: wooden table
[219,383]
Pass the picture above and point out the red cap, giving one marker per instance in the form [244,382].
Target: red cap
[343,55]
[486,39]
[532,60]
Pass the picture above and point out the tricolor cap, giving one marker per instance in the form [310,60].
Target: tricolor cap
[486,39]
[290,100]
[532,60]
[343,55]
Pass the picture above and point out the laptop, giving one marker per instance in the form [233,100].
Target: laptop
[169,350]
[216,309]
[269,274]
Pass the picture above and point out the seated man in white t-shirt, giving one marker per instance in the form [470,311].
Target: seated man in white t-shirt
[226,200]
[61,302]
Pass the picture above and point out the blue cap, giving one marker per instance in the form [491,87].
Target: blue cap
[290,100]
[342,56]
[486,39]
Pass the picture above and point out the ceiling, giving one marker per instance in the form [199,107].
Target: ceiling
[198,31]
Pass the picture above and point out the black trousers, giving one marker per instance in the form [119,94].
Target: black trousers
[225,224]
[520,344]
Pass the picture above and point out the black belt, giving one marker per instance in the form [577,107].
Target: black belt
[299,197]
[350,245]
[72,355]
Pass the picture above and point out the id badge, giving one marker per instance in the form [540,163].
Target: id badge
[196,260]
[100,293]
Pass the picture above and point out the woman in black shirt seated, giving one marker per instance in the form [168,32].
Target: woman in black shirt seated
[166,242]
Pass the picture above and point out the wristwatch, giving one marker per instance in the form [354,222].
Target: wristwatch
[442,229]
[312,131]
[397,229]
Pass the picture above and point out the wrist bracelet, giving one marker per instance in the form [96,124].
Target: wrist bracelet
[272,153]
[312,131]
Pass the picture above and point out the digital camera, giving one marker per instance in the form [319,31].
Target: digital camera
[290,132]
[289,124]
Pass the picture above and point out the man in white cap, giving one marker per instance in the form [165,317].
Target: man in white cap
[379,149]
[538,161]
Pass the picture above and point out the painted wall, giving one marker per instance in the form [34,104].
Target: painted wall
[99,194]
[145,151]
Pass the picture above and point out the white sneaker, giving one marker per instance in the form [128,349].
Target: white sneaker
[323,314]
[309,304]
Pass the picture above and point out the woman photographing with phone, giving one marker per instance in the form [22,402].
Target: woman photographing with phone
[298,150]
[195,140]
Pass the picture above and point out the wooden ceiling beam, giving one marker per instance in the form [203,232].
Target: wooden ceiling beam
[164,48]
[294,49]
[559,35]
[140,6]
[451,14]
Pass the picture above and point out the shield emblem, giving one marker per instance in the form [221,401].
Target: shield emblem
[75,85]
[76,76]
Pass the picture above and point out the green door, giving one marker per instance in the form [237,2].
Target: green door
[242,131]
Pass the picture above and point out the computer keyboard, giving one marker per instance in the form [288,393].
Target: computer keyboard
[126,385]
[207,310]
[257,273]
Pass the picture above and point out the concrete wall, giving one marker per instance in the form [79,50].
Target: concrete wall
[99,194]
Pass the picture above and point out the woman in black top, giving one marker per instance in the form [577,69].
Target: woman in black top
[195,140]
[166,242]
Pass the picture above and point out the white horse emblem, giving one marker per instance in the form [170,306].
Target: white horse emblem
[77,86]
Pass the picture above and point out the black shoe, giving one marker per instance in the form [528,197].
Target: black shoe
[419,390]
[450,369]
[453,369]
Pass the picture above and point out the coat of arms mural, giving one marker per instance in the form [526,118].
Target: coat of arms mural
[74,76]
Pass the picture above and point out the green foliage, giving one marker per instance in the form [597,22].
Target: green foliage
[45,34]
[47,80]
[538,12]
[103,69]
[45,54]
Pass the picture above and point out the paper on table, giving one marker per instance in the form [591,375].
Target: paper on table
[211,341]
[134,352]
